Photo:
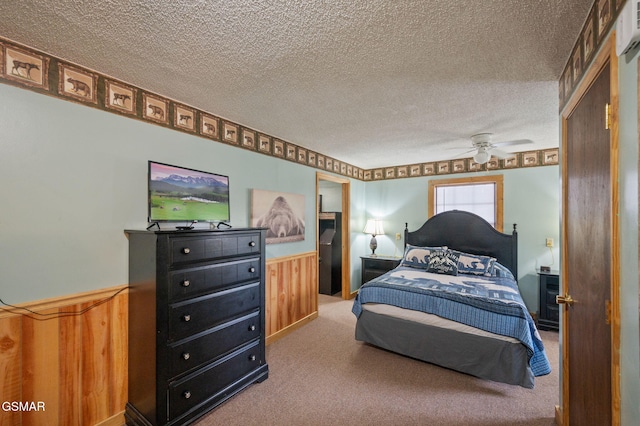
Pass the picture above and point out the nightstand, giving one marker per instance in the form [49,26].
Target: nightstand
[374,266]
[549,315]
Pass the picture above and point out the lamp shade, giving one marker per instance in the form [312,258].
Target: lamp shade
[482,156]
[374,227]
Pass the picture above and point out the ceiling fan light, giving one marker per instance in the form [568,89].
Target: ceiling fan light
[482,156]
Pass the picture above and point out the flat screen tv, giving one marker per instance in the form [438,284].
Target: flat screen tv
[181,194]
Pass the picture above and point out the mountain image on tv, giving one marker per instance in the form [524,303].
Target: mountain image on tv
[181,194]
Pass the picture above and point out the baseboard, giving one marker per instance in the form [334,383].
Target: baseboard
[558,416]
[117,420]
[291,328]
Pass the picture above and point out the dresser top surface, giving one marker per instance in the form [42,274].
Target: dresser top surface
[191,231]
[381,257]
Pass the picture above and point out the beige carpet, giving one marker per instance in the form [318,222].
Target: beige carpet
[320,375]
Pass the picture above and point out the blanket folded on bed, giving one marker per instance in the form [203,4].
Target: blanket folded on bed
[489,303]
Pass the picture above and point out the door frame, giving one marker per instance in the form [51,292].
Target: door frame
[346,244]
[606,55]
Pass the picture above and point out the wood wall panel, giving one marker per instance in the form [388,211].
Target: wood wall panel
[95,364]
[75,364]
[71,368]
[291,293]
[40,359]
[10,376]
[119,320]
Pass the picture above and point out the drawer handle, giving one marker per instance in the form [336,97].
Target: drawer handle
[252,357]
[186,283]
[186,318]
[252,327]
[186,250]
[252,244]
[186,356]
[186,394]
[252,270]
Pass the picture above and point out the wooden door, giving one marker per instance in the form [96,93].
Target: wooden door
[587,221]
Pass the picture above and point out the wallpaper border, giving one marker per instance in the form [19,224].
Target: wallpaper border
[601,17]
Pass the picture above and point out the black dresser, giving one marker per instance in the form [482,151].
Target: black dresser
[549,315]
[196,321]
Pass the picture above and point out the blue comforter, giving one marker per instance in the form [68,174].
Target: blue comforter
[489,303]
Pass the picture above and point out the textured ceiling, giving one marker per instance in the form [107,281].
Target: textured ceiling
[369,82]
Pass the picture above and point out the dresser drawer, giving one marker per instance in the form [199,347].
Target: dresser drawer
[382,265]
[373,267]
[550,295]
[211,380]
[213,343]
[553,313]
[195,315]
[185,283]
[195,249]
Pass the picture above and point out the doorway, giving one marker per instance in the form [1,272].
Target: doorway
[332,210]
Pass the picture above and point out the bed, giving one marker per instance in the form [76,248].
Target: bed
[453,301]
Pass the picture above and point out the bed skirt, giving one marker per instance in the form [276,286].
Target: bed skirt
[484,355]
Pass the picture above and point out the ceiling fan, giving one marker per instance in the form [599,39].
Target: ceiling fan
[485,148]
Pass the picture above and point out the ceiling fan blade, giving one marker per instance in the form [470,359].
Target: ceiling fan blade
[515,142]
[464,154]
[501,154]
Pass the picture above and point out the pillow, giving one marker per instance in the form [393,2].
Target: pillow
[418,257]
[502,271]
[443,262]
[474,263]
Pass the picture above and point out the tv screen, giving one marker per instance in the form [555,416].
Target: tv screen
[182,194]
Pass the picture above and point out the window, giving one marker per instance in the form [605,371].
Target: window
[479,195]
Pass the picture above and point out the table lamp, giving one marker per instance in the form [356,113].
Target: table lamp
[373,227]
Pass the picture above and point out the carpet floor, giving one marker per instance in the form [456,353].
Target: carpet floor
[320,375]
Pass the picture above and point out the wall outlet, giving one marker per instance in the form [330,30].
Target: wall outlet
[398,236]
[549,242]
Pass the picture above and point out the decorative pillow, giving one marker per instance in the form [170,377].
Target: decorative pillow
[500,270]
[443,262]
[418,257]
[474,263]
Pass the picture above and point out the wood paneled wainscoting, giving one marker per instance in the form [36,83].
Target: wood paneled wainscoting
[69,360]
[292,293]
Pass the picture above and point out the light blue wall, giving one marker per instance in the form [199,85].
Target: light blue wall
[73,178]
[628,181]
[359,241]
[331,196]
[531,200]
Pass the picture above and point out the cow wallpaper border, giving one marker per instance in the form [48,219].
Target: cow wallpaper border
[95,90]
[600,19]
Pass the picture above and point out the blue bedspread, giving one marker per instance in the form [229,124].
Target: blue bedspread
[489,303]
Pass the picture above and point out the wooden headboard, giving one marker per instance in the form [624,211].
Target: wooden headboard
[467,232]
